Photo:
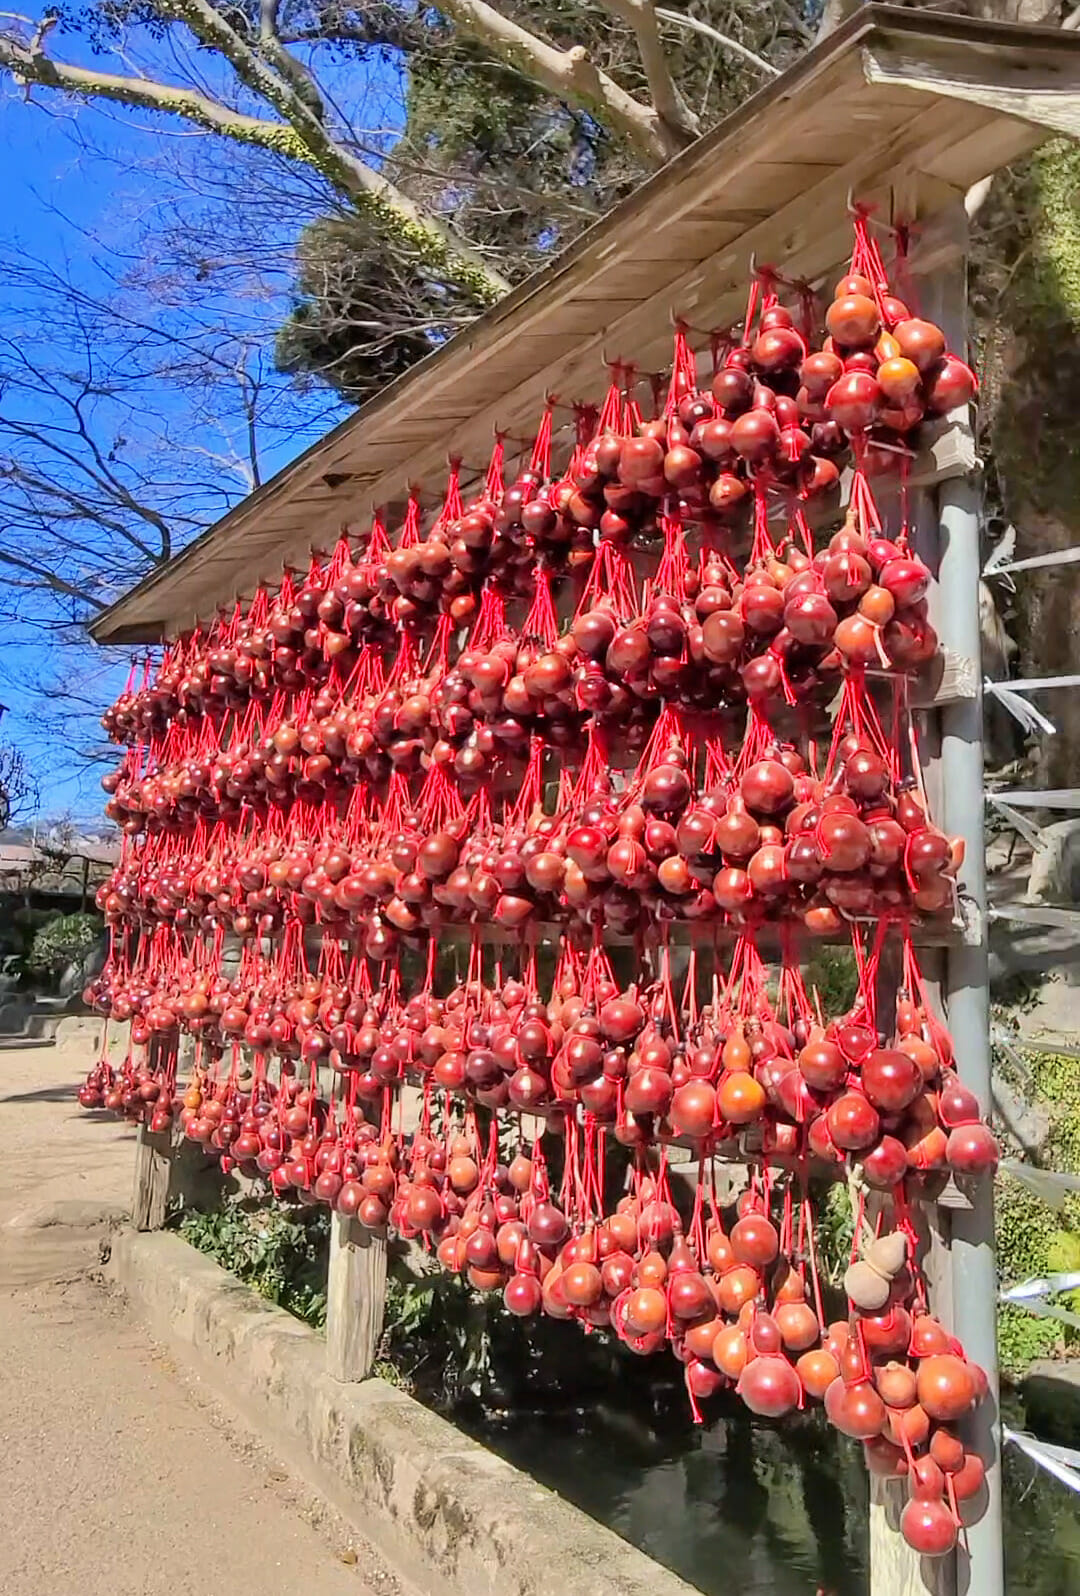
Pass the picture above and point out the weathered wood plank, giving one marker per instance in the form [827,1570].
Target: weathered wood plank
[712,292]
[1034,85]
[355,1298]
[150,1193]
[948,679]
[948,450]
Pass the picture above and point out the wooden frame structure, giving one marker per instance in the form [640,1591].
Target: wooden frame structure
[906,110]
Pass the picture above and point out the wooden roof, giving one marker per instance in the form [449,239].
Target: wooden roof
[900,107]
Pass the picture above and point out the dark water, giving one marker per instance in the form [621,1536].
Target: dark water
[740,1505]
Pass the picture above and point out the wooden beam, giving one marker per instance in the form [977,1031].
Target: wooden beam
[947,679]
[355,1298]
[712,292]
[1029,84]
[153,1166]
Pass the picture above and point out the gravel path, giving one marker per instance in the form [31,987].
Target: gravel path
[118,1476]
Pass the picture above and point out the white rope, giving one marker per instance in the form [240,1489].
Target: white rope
[1047,1185]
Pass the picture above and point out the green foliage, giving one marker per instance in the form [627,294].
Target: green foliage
[439,1338]
[1025,303]
[438,1335]
[1032,1239]
[1025,299]
[1063,1252]
[279,1252]
[1024,1228]
[834,1231]
[833,973]
[1056,171]
[1057,1081]
[65,939]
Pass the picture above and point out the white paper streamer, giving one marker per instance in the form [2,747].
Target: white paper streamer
[1068,1280]
[1060,1461]
[1031,1296]
[1035,1044]
[1029,717]
[1048,1185]
[1002,551]
[996,566]
[1027,828]
[1049,798]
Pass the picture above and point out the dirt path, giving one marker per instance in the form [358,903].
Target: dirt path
[118,1476]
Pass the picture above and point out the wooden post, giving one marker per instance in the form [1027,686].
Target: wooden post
[153,1164]
[355,1298]
[895,1569]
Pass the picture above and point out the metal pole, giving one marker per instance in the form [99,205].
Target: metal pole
[968,1007]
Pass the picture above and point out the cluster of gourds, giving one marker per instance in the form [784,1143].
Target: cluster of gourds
[658,696]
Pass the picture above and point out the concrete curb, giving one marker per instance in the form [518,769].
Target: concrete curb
[450,1515]
[85,1032]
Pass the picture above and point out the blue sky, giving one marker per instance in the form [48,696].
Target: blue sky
[53,183]
[43,167]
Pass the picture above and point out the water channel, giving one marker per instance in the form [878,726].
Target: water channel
[765,1510]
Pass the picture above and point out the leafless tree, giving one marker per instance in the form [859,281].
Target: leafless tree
[126,426]
[18,788]
[139,399]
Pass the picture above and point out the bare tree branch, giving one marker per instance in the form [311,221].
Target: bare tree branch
[367,188]
[302,136]
[294,70]
[29,66]
[682,19]
[50,579]
[640,15]
[19,794]
[570,74]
